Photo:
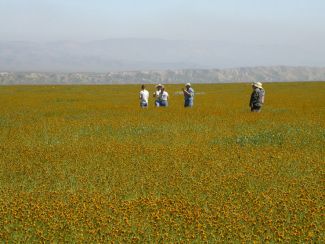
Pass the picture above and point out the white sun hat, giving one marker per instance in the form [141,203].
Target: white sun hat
[257,84]
[188,84]
[159,85]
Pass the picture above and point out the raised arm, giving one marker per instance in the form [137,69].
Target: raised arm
[186,92]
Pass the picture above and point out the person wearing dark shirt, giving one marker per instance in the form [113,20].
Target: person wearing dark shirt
[257,98]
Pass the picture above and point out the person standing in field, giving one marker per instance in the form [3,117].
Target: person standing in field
[163,97]
[188,95]
[156,94]
[257,98]
[144,96]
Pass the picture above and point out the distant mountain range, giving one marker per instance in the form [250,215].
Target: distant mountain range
[155,60]
[264,74]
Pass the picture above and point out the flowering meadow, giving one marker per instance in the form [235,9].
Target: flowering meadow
[87,164]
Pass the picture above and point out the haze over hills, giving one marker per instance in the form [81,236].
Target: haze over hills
[155,60]
[149,54]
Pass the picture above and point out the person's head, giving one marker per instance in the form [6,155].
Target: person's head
[188,85]
[158,87]
[142,87]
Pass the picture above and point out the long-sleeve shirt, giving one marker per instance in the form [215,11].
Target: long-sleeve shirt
[257,98]
[189,94]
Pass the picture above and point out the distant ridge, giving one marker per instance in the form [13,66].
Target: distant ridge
[248,74]
[125,61]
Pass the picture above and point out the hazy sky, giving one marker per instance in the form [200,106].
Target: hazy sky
[300,22]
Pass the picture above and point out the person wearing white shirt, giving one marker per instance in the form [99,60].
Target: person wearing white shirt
[156,94]
[163,98]
[144,96]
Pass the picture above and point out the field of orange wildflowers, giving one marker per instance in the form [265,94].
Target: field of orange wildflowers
[86,164]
